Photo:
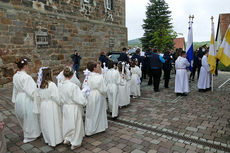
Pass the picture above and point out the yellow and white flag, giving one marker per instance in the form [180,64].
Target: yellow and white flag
[224,52]
[212,52]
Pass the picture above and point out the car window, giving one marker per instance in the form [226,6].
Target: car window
[115,57]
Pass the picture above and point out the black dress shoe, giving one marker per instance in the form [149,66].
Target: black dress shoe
[178,94]
[183,94]
[201,90]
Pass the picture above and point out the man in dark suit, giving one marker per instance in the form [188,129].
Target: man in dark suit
[167,67]
[123,57]
[148,54]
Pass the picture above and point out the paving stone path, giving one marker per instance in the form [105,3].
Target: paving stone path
[156,122]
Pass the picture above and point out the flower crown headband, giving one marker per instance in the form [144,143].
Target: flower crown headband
[24,60]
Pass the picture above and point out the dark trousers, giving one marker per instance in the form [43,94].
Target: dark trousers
[76,68]
[156,75]
[193,73]
[167,77]
[198,72]
[150,76]
[144,72]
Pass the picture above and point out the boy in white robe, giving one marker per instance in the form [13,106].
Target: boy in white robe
[47,98]
[24,89]
[60,77]
[135,79]
[73,100]
[113,80]
[96,116]
[204,78]
[181,79]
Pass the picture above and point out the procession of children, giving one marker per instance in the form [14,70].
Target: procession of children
[66,112]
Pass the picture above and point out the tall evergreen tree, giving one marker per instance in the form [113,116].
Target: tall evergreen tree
[158,27]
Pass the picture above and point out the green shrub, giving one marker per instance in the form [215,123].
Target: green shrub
[221,67]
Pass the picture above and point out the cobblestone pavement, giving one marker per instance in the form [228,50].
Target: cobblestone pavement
[156,122]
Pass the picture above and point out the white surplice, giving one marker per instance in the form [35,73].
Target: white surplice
[135,81]
[60,78]
[123,91]
[73,100]
[204,78]
[96,116]
[181,80]
[50,114]
[23,96]
[113,79]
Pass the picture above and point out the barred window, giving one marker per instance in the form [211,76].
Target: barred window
[86,1]
[109,4]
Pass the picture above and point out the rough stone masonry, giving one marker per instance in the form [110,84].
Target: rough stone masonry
[47,32]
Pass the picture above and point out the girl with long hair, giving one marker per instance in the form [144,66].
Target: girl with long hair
[47,98]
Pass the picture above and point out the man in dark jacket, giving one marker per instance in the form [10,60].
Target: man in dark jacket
[167,67]
[123,57]
[195,66]
[76,59]
[137,56]
[200,54]
[156,65]
[103,59]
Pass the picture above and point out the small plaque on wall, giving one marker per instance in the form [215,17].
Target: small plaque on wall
[41,39]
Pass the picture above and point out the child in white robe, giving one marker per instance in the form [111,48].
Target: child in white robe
[135,79]
[204,78]
[113,80]
[181,79]
[24,89]
[124,96]
[47,99]
[96,116]
[73,100]
[60,77]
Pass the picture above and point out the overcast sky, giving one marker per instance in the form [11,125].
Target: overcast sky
[202,10]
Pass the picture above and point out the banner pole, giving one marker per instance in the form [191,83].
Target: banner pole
[212,83]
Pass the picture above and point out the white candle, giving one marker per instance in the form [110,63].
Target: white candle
[123,68]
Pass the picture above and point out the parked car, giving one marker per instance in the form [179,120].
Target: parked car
[114,55]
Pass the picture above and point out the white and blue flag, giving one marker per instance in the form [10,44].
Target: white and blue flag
[189,47]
